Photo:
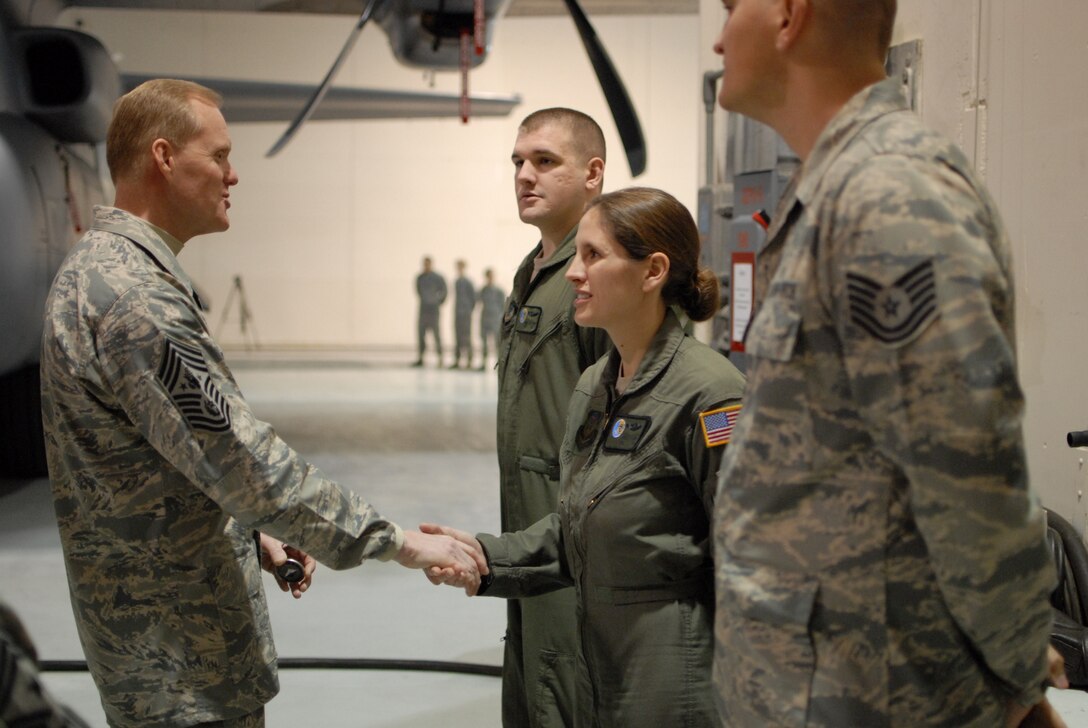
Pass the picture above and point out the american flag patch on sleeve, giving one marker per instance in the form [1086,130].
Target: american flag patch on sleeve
[718,424]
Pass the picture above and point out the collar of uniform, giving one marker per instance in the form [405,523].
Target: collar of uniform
[783,212]
[563,253]
[156,241]
[866,106]
[662,349]
[173,243]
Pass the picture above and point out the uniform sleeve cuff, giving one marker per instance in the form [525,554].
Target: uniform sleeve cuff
[396,543]
[486,579]
[1031,696]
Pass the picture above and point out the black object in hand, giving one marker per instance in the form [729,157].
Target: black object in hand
[291,571]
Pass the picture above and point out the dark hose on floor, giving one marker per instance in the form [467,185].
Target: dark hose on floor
[330,663]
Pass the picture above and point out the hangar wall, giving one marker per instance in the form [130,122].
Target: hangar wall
[1032,144]
[328,236]
[1003,79]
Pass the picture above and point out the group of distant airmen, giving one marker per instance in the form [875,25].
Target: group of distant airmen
[432,292]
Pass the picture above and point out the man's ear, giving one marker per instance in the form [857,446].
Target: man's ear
[796,16]
[595,174]
[657,271]
[163,154]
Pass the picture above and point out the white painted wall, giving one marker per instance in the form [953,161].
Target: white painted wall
[328,236]
[1034,151]
[1005,80]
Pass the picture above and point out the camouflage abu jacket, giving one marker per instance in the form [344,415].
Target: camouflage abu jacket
[160,473]
[880,557]
[24,700]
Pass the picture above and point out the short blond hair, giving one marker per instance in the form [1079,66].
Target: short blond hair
[586,136]
[156,109]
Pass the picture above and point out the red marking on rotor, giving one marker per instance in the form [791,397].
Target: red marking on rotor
[465,63]
[478,26]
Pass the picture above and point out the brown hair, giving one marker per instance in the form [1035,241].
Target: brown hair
[856,21]
[645,221]
[586,135]
[156,109]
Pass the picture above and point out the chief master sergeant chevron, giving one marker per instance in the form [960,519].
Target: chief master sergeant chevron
[161,475]
[880,557]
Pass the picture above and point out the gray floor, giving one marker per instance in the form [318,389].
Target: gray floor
[419,444]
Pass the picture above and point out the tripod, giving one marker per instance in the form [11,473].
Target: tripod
[245,318]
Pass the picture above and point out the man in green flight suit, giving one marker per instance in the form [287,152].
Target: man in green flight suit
[559,158]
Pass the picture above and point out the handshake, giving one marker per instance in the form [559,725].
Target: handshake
[458,559]
[446,555]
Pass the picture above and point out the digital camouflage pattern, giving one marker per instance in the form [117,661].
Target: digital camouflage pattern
[431,288]
[464,298]
[491,300]
[160,475]
[464,301]
[24,701]
[880,557]
[432,291]
[632,535]
[541,356]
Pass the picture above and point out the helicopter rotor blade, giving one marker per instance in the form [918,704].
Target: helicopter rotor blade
[321,90]
[623,111]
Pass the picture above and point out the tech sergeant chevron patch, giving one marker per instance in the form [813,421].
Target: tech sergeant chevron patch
[892,314]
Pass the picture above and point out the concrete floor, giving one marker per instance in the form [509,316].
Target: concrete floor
[420,445]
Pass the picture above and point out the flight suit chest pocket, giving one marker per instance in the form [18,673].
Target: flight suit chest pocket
[773,333]
[626,433]
[528,319]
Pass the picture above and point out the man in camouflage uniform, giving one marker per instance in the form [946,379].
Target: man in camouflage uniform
[880,558]
[464,302]
[162,477]
[24,701]
[558,168]
[431,289]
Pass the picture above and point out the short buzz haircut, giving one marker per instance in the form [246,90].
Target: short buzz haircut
[873,18]
[586,135]
[156,109]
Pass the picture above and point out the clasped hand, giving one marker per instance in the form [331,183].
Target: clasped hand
[447,556]
[470,545]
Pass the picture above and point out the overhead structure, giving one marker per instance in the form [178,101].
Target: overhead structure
[246,101]
[323,87]
[423,34]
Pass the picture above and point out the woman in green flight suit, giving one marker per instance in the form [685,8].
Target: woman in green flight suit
[646,428]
